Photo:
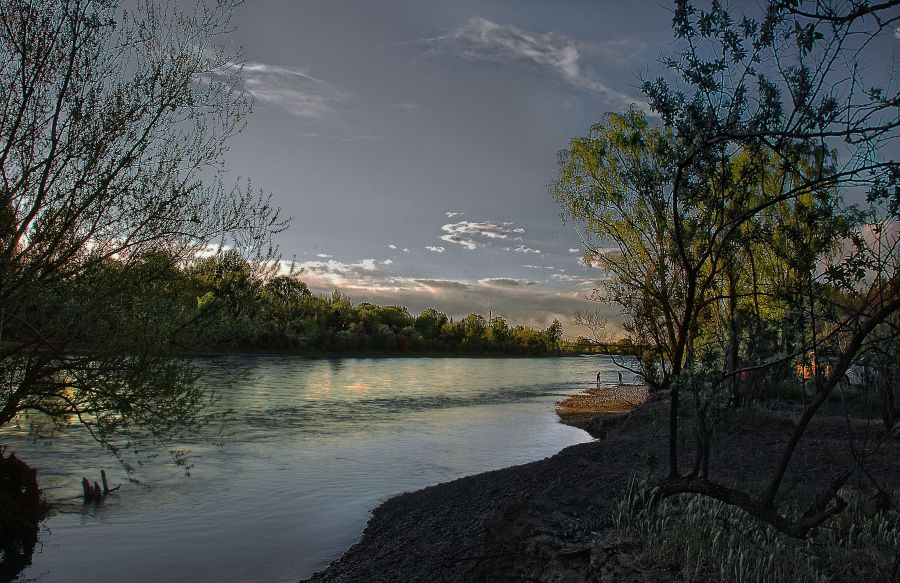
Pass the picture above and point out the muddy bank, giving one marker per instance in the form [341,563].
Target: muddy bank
[550,520]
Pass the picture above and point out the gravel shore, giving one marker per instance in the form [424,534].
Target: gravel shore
[550,520]
[492,526]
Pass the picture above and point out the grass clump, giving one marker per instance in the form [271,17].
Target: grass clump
[707,540]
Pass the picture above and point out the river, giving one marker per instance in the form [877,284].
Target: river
[314,445]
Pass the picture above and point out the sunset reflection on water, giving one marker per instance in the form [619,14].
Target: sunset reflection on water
[314,446]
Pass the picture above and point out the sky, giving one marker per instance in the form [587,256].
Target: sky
[412,141]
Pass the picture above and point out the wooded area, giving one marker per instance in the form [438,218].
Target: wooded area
[752,231]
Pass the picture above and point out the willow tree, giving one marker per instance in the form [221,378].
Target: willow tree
[113,125]
[615,181]
[761,118]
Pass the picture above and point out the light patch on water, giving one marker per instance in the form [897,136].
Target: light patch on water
[314,446]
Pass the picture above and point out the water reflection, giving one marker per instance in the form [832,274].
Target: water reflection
[16,554]
[314,446]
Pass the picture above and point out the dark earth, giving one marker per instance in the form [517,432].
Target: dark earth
[550,520]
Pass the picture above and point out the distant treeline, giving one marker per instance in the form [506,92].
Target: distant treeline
[223,303]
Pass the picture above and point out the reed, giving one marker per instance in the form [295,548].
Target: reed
[707,540]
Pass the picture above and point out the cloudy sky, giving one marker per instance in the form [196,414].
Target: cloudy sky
[413,141]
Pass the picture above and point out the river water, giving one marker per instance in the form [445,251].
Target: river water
[314,445]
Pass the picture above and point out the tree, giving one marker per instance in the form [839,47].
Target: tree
[554,332]
[499,331]
[614,181]
[430,322]
[474,328]
[283,300]
[113,126]
[596,323]
[766,119]
[225,278]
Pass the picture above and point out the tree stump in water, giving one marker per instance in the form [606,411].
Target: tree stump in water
[93,492]
[88,491]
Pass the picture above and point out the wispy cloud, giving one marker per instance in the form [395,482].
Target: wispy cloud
[524,249]
[333,266]
[519,300]
[335,273]
[574,278]
[505,282]
[294,90]
[575,250]
[482,39]
[472,234]
[435,248]
[442,283]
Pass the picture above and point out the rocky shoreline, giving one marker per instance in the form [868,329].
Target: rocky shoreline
[475,528]
[550,520]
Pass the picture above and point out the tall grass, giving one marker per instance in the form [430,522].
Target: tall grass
[707,540]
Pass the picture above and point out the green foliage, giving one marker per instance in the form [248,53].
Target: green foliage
[707,540]
[430,322]
[674,256]
[225,303]
[112,181]
[724,229]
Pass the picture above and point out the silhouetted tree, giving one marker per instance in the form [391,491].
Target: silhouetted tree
[764,124]
[112,134]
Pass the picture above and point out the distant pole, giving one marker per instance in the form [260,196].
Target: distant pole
[490,317]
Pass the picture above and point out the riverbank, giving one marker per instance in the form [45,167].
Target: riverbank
[537,519]
[433,354]
[550,520]
[598,409]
